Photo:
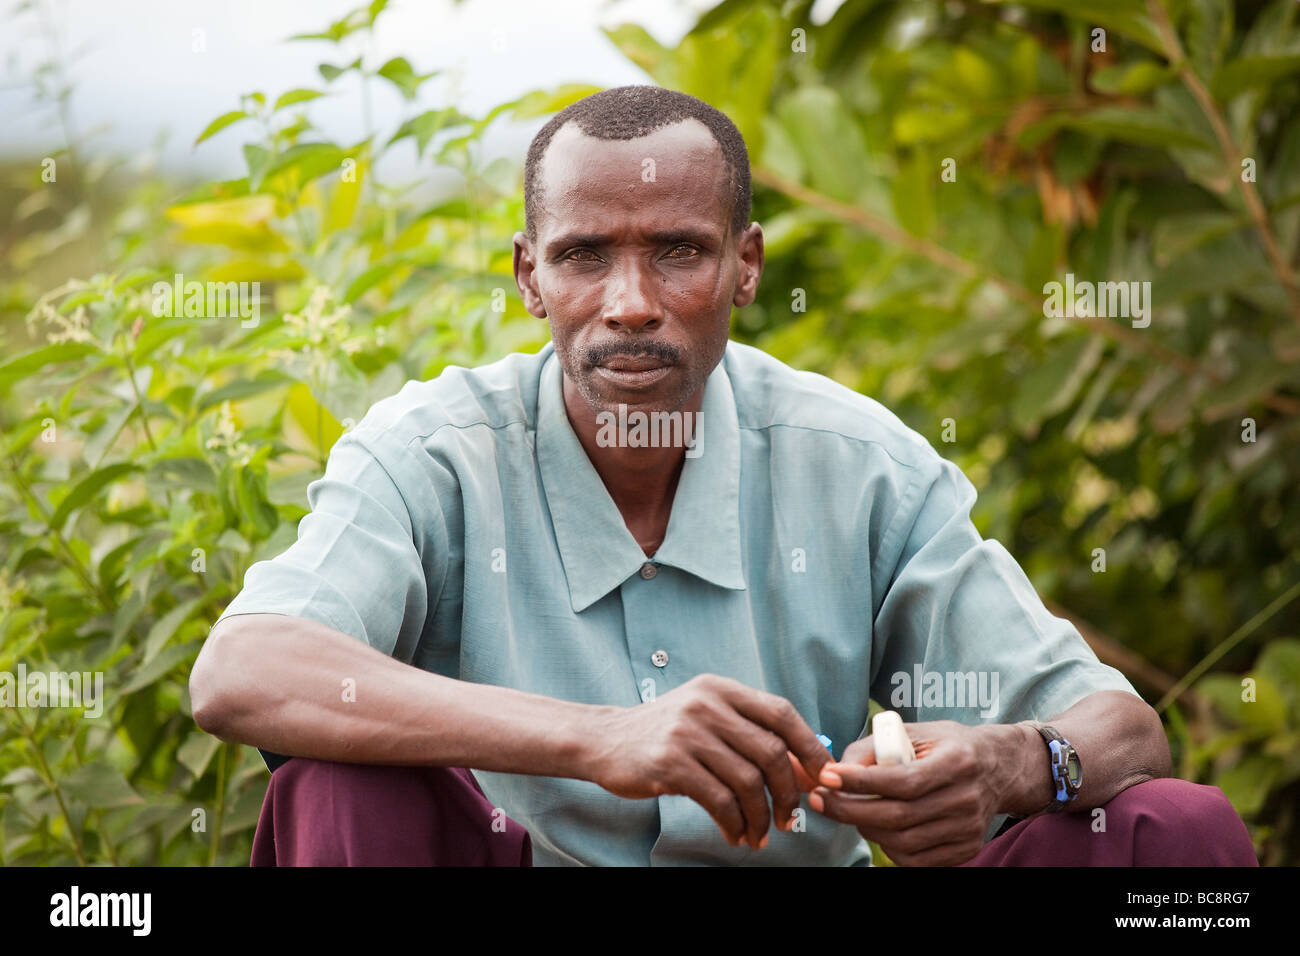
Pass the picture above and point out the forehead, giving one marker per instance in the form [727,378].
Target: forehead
[675,173]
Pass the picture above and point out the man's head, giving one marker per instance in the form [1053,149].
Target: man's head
[637,243]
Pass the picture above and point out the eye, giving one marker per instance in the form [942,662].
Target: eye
[581,255]
[688,250]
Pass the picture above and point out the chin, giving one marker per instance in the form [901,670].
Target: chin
[669,397]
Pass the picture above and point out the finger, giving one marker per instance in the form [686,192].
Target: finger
[706,789]
[766,751]
[806,783]
[780,716]
[923,837]
[949,854]
[908,781]
[883,813]
[746,783]
[860,753]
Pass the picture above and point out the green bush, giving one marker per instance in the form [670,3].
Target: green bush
[922,170]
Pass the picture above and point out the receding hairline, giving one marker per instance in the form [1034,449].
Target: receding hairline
[633,112]
[574,131]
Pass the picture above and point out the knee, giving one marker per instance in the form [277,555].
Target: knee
[1169,798]
[1176,822]
[328,813]
[395,788]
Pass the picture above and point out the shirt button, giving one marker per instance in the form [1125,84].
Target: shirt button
[648,570]
[659,658]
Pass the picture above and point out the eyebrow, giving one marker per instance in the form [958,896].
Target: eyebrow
[670,236]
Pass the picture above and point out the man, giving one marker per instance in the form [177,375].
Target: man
[635,643]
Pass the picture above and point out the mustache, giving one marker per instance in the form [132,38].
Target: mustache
[600,354]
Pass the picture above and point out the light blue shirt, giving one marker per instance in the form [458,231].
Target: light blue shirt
[817,548]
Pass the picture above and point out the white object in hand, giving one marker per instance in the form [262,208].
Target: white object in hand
[893,746]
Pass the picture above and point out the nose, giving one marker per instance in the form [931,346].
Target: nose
[631,299]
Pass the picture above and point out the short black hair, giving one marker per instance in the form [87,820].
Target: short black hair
[630,112]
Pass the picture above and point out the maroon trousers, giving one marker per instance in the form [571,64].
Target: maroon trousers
[318,813]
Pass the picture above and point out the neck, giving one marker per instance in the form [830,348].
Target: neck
[641,481]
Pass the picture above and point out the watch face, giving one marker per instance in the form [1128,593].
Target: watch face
[1074,770]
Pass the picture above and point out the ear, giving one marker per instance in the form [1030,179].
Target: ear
[749,250]
[525,265]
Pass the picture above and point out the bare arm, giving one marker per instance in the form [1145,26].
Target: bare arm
[280,683]
[1120,742]
[937,809]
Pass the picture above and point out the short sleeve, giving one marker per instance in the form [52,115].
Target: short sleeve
[355,566]
[961,633]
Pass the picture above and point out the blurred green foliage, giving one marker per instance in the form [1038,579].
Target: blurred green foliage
[922,170]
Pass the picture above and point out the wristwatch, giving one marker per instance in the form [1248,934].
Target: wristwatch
[1067,770]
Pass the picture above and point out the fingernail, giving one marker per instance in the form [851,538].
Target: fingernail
[817,802]
[831,779]
[762,843]
[743,842]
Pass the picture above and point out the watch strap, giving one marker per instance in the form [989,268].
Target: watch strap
[1059,750]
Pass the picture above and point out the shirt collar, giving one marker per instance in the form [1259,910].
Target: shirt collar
[596,548]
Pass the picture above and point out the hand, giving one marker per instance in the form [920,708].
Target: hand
[931,812]
[718,742]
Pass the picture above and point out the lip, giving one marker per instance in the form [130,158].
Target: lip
[633,363]
[634,378]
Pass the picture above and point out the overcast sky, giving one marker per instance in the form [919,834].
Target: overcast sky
[136,74]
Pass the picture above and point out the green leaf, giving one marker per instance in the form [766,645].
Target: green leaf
[160,666]
[197,752]
[37,360]
[100,785]
[250,494]
[187,472]
[332,73]
[828,139]
[1245,73]
[1142,126]
[343,202]
[264,381]
[165,628]
[345,26]
[399,72]
[427,124]
[110,568]
[1127,17]
[1053,383]
[220,123]
[258,159]
[124,619]
[85,489]
[1131,79]
[545,102]
[1176,235]
[99,443]
[636,43]
[295,96]
[369,279]
[24,436]
[308,160]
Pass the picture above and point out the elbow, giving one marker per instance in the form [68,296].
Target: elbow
[209,691]
[1159,762]
[1164,764]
